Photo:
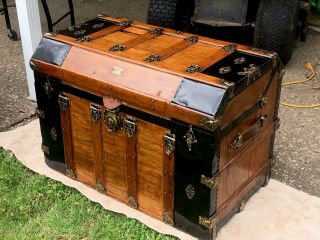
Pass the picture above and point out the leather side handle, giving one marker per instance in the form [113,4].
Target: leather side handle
[244,136]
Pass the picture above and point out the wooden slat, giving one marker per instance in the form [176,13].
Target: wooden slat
[131,159]
[168,185]
[98,153]
[115,166]
[67,139]
[150,169]
[83,142]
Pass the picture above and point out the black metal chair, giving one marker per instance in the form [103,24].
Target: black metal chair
[4,11]
[13,34]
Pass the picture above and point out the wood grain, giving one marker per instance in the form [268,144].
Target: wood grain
[150,169]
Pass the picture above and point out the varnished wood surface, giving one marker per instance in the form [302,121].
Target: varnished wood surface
[82,140]
[244,165]
[227,153]
[115,163]
[150,167]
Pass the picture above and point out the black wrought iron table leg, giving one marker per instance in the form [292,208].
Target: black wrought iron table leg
[72,18]
[48,15]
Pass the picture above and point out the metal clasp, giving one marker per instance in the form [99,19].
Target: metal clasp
[209,182]
[169,141]
[95,112]
[63,101]
[130,126]
[237,142]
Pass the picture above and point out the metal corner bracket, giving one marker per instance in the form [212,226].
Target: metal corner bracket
[208,223]
[169,141]
[70,173]
[210,124]
[95,112]
[132,202]
[209,182]
[167,218]
[100,187]
[33,65]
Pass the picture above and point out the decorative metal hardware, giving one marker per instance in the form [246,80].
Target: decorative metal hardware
[117,71]
[95,112]
[230,48]
[86,38]
[50,34]
[98,25]
[231,86]
[179,32]
[132,202]
[47,88]
[263,120]
[210,124]
[40,114]
[190,138]
[70,173]
[193,68]
[208,223]
[33,65]
[225,70]
[192,39]
[117,47]
[209,182]
[112,119]
[54,134]
[169,141]
[130,126]
[252,73]
[190,191]
[79,32]
[153,58]
[237,142]
[167,218]
[125,24]
[156,31]
[242,205]
[263,101]
[45,149]
[240,60]
[63,101]
[100,187]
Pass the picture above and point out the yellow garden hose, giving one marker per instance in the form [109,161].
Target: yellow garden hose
[310,68]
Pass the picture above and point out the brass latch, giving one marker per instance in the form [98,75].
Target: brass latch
[95,112]
[169,141]
[209,182]
[63,101]
[130,126]
[112,119]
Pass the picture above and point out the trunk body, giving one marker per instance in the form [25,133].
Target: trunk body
[180,127]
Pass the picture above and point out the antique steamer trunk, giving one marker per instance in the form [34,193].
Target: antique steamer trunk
[180,127]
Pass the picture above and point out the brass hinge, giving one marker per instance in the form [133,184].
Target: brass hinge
[167,218]
[95,112]
[132,202]
[130,126]
[208,223]
[63,101]
[70,173]
[100,187]
[210,124]
[169,141]
[112,119]
[209,182]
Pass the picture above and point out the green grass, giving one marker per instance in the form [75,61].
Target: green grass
[35,207]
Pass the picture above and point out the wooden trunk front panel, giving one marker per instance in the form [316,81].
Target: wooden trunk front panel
[127,168]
